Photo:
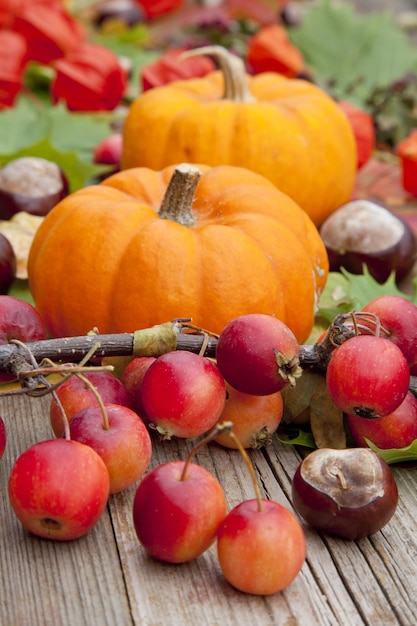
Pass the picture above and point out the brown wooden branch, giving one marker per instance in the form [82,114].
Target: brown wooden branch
[18,359]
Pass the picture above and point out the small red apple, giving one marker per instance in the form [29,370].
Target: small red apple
[58,489]
[258,354]
[260,550]
[74,395]
[398,317]
[396,430]
[19,320]
[254,418]
[132,379]
[109,152]
[183,394]
[123,441]
[176,516]
[367,376]
[3,437]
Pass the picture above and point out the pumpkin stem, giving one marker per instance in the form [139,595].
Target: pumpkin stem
[233,69]
[179,195]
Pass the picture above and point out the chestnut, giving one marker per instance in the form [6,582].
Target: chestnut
[8,265]
[31,184]
[363,232]
[349,492]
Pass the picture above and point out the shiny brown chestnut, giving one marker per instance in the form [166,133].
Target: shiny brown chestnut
[349,492]
[8,265]
[363,232]
[31,184]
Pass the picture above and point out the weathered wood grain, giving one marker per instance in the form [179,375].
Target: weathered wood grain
[106,578]
[49,583]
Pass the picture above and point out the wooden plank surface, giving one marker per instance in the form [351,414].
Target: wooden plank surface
[106,578]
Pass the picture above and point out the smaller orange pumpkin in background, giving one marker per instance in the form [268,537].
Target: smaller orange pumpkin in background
[286,129]
[145,247]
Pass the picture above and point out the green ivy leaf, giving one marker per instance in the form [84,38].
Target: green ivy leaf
[23,125]
[346,292]
[351,53]
[396,455]
[296,437]
[56,134]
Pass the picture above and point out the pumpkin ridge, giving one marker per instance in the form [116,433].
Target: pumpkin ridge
[269,234]
[119,266]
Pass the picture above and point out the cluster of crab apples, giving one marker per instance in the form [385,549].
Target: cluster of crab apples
[105,428]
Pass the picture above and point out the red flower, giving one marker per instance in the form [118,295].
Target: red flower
[407,152]
[362,125]
[155,8]
[13,57]
[10,9]
[271,50]
[50,31]
[168,68]
[89,79]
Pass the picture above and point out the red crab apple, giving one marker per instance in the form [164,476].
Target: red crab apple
[109,152]
[58,489]
[120,438]
[349,492]
[367,376]
[75,395]
[183,394]
[258,354]
[396,430]
[398,317]
[254,418]
[177,510]
[260,550]
[132,379]
[19,320]
[3,437]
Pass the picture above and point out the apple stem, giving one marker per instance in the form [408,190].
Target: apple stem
[64,416]
[95,391]
[223,427]
[250,467]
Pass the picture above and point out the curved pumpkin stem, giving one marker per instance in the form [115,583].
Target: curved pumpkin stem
[233,69]
[179,195]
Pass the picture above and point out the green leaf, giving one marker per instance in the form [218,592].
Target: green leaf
[396,455]
[79,132]
[335,298]
[346,292]
[23,125]
[20,289]
[296,437]
[352,53]
[56,134]
[362,288]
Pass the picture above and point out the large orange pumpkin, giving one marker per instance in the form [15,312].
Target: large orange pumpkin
[145,247]
[287,130]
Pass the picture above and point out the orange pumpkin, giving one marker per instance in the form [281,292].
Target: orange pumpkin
[145,247]
[287,130]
